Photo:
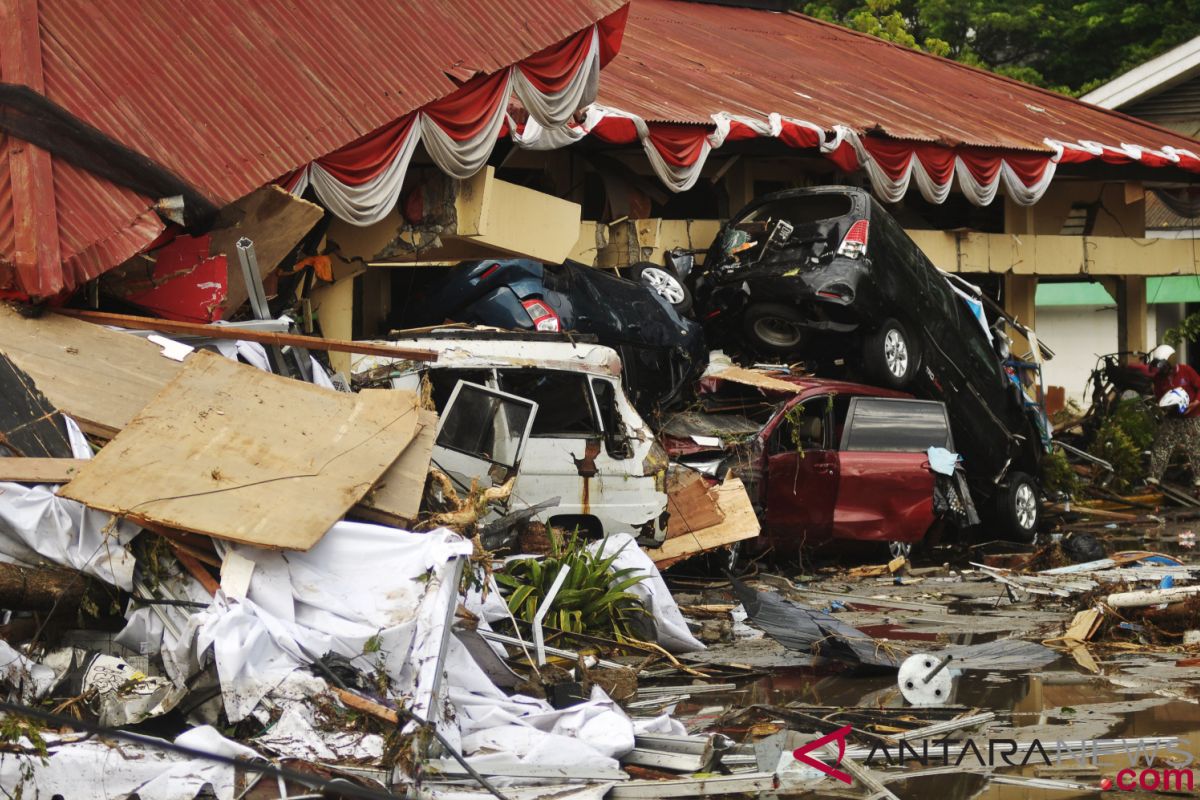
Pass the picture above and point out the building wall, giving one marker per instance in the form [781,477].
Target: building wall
[1080,334]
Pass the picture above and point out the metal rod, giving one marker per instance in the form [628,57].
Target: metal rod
[941,666]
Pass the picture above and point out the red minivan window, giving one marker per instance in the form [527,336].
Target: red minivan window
[885,425]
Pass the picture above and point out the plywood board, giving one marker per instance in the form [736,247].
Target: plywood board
[232,452]
[40,470]
[272,218]
[691,505]
[396,498]
[99,377]
[740,523]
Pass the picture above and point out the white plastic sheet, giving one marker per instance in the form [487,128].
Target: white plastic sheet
[98,768]
[373,594]
[36,525]
[493,726]
[670,626]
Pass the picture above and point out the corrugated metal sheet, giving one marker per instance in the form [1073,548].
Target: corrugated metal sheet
[230,95]
[1178,103]
[683,62]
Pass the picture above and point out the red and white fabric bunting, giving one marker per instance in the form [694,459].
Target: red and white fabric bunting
[677,154]
[361,182]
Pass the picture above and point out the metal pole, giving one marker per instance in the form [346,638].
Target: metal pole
[538,641]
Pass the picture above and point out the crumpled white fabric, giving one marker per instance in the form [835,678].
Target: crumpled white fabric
[103,768]
[360,583]
[594,733]
[36,525]
[30,678]
[294,736]
[670,627]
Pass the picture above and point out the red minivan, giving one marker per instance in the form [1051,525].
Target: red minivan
[833,462]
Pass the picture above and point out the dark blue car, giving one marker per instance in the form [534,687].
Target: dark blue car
[662,352]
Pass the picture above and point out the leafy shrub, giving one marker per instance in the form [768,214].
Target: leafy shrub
[594,599]
[1057,475]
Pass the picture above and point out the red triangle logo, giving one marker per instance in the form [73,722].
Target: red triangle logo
[802,753]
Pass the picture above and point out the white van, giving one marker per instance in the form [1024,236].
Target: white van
[587,445]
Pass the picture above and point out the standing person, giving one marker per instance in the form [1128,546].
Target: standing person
[1181,426]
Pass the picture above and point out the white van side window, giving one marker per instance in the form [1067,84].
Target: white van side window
[565,406]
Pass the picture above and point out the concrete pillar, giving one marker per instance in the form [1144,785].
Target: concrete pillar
[1020,293]
[1131,313]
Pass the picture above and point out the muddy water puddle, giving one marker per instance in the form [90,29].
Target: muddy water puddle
[1059,707]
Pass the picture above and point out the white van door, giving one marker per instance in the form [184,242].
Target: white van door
[482,435]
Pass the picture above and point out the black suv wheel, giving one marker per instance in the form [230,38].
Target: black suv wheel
[773,328]
[891,355]
[1020,508]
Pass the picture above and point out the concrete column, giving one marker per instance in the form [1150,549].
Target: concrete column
[1131,313]
[1020,293]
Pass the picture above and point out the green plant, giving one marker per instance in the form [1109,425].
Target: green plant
[1188,330]
[593,599]
[1057,475]
[1115,446]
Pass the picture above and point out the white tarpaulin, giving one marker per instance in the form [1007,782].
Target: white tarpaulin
[37,526]
[670,627]
[108,769]
[376,595]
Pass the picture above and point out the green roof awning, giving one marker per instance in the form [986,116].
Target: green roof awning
[1173,289]
[1075,293]
[1168,289]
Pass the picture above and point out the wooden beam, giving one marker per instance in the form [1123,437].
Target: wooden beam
[264,338]
[40,470]
[36,257]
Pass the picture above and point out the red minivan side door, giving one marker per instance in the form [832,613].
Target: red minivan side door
[885,491]
[802,476]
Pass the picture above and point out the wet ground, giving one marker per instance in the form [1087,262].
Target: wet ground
[1120,689]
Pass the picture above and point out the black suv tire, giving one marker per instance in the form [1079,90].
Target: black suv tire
[773,328]
[1019,508]
[891,355]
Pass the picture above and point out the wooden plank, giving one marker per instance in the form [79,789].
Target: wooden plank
[236,453]
[757,378]
[740,523]
[271,217]
[40,470]
[99,377]
[30,425]
[396,497]
[691,505]
[262,337]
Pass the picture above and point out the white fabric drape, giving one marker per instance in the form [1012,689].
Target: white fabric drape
[549,127]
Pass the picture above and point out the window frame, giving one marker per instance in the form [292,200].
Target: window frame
[852,412]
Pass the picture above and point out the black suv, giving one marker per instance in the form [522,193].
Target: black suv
[827,275]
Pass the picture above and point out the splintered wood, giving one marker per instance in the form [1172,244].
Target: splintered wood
[396,498]
[738,522]
[232,452]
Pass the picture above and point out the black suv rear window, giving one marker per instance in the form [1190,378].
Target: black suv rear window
[803,209]
[896,426]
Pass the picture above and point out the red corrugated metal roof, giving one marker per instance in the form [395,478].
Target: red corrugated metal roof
[231,95]
[684,62]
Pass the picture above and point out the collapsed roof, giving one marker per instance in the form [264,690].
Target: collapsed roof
[127,102]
